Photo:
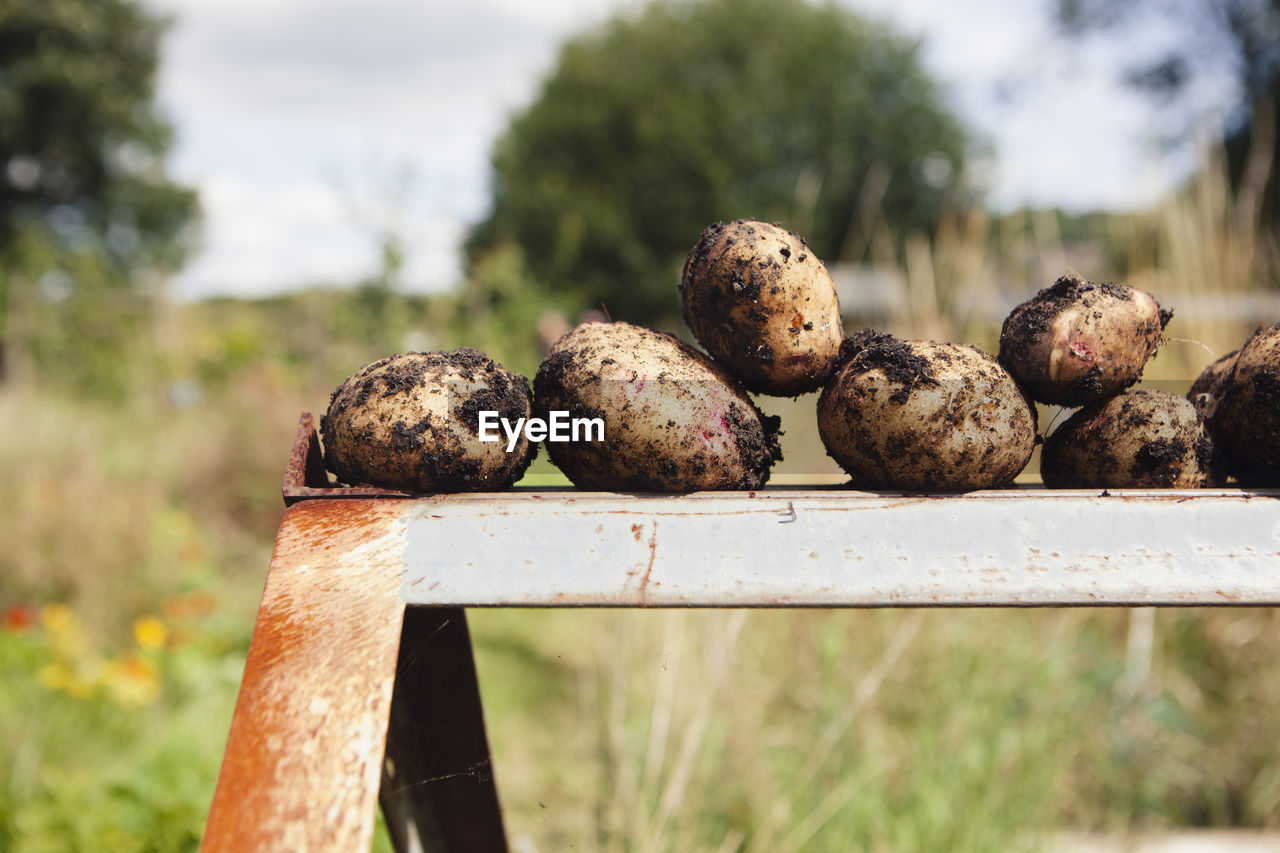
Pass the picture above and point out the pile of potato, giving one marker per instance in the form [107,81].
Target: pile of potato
[895,414]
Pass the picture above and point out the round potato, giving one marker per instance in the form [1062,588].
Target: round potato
[924,416]
[763,306]
[1138,439]
[411,422]
[1247,420]
[674,421]
[1078,342]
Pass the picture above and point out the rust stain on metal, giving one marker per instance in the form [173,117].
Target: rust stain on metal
[653,554]
[303,759]
[636,530]
[305,477]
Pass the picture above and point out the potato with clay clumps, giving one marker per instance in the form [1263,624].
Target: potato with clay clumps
[924,416]
[1141,439]
[674,421]
[1078,342]
[411,422]
[763,306]
[1246,422]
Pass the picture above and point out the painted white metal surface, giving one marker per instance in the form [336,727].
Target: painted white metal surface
[840,548]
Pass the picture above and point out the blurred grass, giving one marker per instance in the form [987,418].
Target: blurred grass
[619,730]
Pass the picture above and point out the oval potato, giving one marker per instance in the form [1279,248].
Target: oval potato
[674,421]
[924,416]
[1138,439]
[762,305]
[1247,421]
[1078,342]
[411,422]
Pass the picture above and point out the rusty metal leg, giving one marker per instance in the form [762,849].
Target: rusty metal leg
[302,761]
[438,791]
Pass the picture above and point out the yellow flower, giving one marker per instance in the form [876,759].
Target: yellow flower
[57,618]
[150,633]
[133,681]
[63,633]
[78,682]
[54,676]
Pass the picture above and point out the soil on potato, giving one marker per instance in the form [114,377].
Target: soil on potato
[1034,317]
[440,457]
[871,350]
[1160,462]
[506,393]
[719,292]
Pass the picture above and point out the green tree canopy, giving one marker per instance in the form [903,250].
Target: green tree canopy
[84,196]
[82,145]
[658,124]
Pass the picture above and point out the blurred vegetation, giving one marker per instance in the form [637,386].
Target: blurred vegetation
[143,451]
[787,730]
[1231,42]
[668,119]
[89,220]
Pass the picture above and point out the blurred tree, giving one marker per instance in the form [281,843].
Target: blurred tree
[83,183]
[660,123]
[1234,40]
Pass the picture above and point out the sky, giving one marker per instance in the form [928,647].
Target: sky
[312,127]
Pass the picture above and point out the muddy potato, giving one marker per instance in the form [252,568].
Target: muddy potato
[1138,439]
[924,416]
[1246,423]
[1207,390]
[411,422]
[674,421]
[762,305]
[1078,342]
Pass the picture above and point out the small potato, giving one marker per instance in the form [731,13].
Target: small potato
[763,306]
[1138,439]
[924,416]
[411,422]
[1247,420]
[1206,391]
[1078,342]
[674,421]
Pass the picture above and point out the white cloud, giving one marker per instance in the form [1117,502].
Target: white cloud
[291,113]
[270,238]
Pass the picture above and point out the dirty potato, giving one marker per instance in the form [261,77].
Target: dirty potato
[1247,420]
[1206,391]
[674,421]
[763,305]
[411,422]
[1137,439]
[924,416]
[1078,342]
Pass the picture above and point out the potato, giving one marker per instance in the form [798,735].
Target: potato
[674,421]
[1138,439]
[411,422]
[763,306]
[1207,390]
[1078,342]
[1247,420]
[924,416]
